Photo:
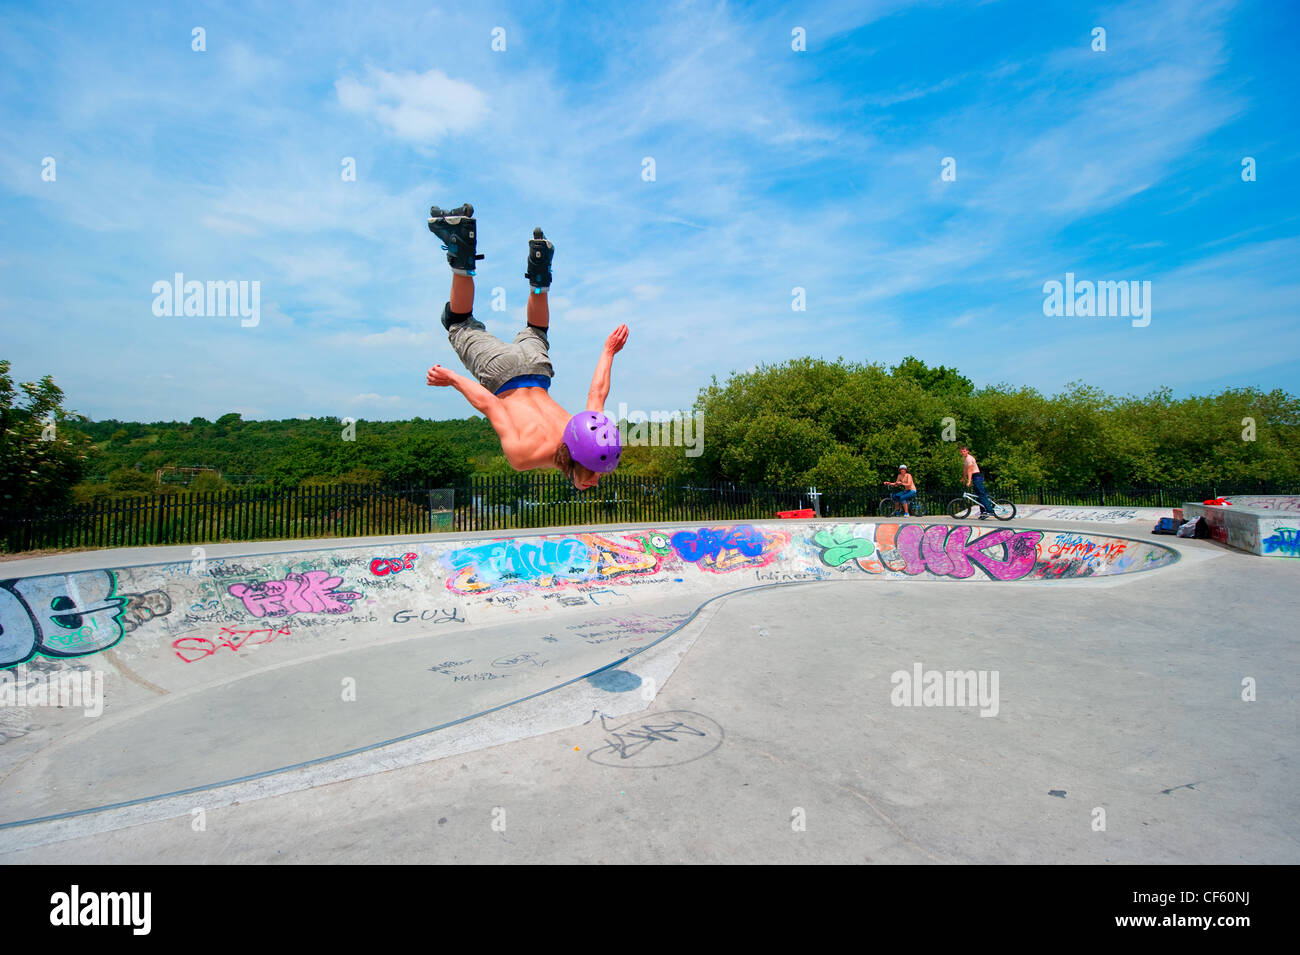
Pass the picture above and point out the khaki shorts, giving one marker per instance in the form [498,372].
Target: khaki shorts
[492,361]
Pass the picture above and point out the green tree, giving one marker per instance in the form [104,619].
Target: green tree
[41,454]
[131,481]
[942,381]
[426,460]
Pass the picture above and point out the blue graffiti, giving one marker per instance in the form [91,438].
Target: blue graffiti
[61,615]
[709,542]
[1286,540]
[514,560]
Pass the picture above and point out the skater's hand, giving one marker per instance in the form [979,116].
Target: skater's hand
[616,340]
[442,377]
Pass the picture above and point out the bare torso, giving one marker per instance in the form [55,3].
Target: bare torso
[538,428]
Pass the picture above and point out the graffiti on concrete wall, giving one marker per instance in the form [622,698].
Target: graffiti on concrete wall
[940,550]
[543,563]
[230,605]
[1284,540]
[312,591]
[62,615]
[842,543]
[945,551]
[382,566]
[141,608]
[722,550]
[191,649]
[962,552]
[1086,548]
[1101,515]
[654,542]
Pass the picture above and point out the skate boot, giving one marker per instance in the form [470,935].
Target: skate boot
[457,229]
[540,251]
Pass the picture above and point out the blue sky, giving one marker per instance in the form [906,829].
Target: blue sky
[774,169]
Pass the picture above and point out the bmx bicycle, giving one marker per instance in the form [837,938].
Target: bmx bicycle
[892,507]
[959,508]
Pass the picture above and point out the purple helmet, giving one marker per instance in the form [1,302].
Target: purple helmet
[593,441]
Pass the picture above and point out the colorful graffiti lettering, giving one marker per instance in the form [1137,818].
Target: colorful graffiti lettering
[1079,547]
[946,551]
[722,550]
[309,592]
[381,566]
[839,545]
[1285,540]
[711,541]
[549,562]
[937,549]
[191,649]
[65,615]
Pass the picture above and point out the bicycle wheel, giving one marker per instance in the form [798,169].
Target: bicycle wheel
[918,509]
[1004,510]
[886,507]
[959,508]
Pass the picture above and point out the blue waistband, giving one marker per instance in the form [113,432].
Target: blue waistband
[525,381]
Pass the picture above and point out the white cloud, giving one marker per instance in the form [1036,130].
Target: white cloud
[421,107]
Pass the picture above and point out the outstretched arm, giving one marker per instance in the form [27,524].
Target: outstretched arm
[483,400]
[600,380]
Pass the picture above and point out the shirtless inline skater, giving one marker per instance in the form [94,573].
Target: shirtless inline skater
[510,381]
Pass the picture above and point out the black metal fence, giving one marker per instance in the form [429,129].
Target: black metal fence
[533,500]
[237,515]
[523,501]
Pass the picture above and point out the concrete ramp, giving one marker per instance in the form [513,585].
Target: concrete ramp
[125,684]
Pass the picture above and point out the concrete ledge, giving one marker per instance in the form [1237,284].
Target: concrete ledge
[1256,530]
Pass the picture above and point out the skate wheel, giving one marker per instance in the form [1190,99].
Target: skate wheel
[469,209]
[537,232]
[434,212]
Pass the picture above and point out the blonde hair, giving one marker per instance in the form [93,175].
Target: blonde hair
[565,464]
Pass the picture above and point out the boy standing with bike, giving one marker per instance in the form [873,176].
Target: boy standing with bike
[972,477]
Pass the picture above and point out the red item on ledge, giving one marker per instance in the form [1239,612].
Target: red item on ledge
[790,515]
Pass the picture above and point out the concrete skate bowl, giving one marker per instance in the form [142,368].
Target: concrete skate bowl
[222,670]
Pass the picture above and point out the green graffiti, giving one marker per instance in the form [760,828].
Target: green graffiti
[839,546]
[655,543]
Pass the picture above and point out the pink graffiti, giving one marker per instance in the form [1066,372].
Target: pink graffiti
[946,553]
[202,647]
[392,565]
[310,592]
